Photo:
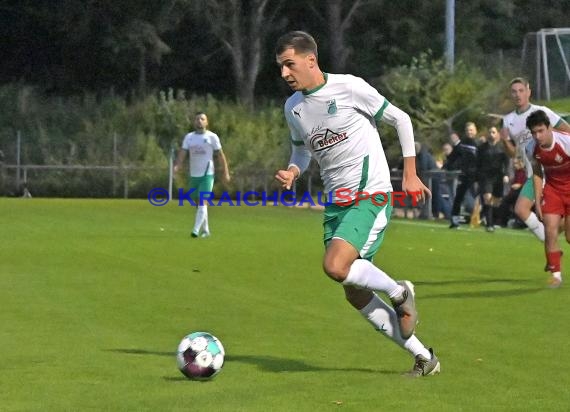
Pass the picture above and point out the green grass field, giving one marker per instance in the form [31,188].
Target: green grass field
[96,294]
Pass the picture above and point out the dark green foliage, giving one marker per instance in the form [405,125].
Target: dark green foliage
[110,132]
[438,101]
[66,46]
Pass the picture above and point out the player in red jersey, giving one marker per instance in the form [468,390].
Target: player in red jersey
[550,154]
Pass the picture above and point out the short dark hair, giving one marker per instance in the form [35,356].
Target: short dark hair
[537,118]
[521,80]
[300,41]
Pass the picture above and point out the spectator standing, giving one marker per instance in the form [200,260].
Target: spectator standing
[464,158]
[492,167]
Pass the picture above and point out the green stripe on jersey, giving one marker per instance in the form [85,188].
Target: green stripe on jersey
[364,175]
[319,87]
[297,142]
[379,113]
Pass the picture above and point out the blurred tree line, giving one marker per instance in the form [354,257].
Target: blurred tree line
[106,82]
[222,47]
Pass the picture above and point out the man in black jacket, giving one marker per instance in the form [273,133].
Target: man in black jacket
[492,165]
[464,158]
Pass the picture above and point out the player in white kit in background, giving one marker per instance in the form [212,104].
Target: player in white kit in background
[202,145]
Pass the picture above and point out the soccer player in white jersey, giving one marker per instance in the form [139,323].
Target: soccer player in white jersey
[202,144]
[515,137]
[332,118]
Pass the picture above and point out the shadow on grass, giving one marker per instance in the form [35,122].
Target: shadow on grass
[462,294]
[141,352]
[277,365]
[484,294]
[471,281]
[272,364]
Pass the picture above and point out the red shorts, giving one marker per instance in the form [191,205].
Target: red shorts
[555,202]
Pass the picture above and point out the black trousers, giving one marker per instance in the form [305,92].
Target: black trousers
[465,183]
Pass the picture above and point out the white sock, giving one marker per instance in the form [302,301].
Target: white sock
[384,320]
[365,275]
[201,213]
[205,226]
[535,226]
[557,275]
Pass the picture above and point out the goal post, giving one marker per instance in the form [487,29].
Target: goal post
[546,62]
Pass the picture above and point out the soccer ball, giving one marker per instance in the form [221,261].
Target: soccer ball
[200,355]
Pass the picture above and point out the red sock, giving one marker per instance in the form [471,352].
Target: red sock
[553,259]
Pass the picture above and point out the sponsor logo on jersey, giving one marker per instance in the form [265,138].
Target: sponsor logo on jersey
[297,113]
[523,137]
[328,139]
[197,150]
[331,106]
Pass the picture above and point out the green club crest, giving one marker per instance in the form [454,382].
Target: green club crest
[331,106]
